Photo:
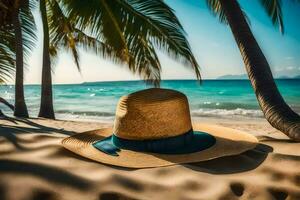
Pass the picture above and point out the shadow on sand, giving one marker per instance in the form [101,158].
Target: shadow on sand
[272,139]
[246,161]
[10,132]
[226,165]
[51,174]
[35,127]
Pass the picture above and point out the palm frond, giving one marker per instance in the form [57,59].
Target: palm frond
[7,55]
[94,45]
[64,34]
[28,26]
[5,13]
[156,24]
[216,9]
[274,11]
[145,61]
[61,32]
[272,7]
[135,29]
[7,38]
[91,19]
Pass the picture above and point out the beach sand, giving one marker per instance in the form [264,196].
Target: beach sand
[33,165]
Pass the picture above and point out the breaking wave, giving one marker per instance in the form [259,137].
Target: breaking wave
[224,112]
[86,113]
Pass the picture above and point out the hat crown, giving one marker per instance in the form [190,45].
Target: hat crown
[152,114]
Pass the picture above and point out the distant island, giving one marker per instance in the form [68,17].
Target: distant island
[245,76]
[233,77]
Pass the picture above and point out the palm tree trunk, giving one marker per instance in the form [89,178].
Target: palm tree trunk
[20,106]
[46,107]
[275,109]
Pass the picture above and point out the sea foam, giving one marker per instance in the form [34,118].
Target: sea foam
[224,112]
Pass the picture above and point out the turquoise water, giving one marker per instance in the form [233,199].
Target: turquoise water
[225,98]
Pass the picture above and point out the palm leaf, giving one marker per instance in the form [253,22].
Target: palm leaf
[28,26]
[5,12]
[272,7]
[7,40]
[156,23]
[135,30]
[274,11]
[64,34]
[61,31]
[7,55]
[217,10]
[145,62]
[94,18]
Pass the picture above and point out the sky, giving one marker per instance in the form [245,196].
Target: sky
[212,44]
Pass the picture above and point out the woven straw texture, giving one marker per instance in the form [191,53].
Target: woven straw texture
[152,114]
[228,142]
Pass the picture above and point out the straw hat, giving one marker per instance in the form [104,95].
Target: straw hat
[153,128]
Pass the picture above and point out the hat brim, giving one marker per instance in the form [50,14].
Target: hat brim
[228,142]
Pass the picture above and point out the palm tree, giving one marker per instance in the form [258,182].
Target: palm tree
[7,54]
[46,107]
[22,22]
[126,32]
[275,109]
[17,22]
[60,32]
[20,106]
[7,59]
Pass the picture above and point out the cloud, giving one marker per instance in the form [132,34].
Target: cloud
[290,67]
[287,68]
[289,58]
[289,71]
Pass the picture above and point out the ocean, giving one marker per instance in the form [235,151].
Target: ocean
[97,101]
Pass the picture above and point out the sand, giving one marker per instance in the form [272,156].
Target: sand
[33,165]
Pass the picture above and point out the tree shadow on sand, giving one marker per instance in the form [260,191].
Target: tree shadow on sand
[265,138]
[49,173]
[246,161]
[10,132]
[36,127]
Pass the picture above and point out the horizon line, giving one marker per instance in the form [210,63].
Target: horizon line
[138,80]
